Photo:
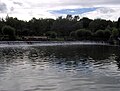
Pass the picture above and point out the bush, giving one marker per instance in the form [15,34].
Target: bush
[9,31]
[99,34]
[51,34]
[115,33]
[72,34]
[107,34]
[83,34]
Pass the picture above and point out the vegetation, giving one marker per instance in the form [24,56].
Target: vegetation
[8,32]
[83,34]
[68,28]
[51,34]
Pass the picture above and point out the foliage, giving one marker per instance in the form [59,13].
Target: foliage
[98,24]
[68,27]
[99,34]
[118,23]
[83,34]
[107,34]
[115,33]
[73,34]
[51,34]
[9,31]
[85,22]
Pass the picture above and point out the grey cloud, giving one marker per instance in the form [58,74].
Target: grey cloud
[106,10]
[12,9]
[78,3]
[90,2]
[112,1]
[3,7]
[18,3]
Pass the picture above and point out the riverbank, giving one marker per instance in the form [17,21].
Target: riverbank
[48,43]
[45,39]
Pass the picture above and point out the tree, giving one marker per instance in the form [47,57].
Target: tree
[69,17]
[83,34]
[85,22]
[9,31]
[76,18]
[51,34]
[99,34]
[98,24]
[115,33]
[73,34]
[2,23]
[63,27]
[118,23]
[107,34]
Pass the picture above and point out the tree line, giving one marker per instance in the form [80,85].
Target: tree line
[69,28]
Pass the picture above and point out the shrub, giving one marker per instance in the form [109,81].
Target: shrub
[72,34]
[51,34]
[9,31]
[83,34]
[115,33]
[107,34]
[99,34]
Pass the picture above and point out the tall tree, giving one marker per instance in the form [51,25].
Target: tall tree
[118,23]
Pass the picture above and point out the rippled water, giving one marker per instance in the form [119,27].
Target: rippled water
[60,68]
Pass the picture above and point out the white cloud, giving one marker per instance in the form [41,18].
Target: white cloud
[26,9]
[104,13]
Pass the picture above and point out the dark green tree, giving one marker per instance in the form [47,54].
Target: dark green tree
[85,22]
[98,24]
[73,34]
[99,34]
[69,17]
[107,34]
[51,34]
[118,23]
[83,34]
[9,31]
[76,18]
[115,33]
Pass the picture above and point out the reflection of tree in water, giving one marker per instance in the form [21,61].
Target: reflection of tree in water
[76,56]
[62,56]
[118,61]
[9,55]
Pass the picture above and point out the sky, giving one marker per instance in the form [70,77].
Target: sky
[93,9]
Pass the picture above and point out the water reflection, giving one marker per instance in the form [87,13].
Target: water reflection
[118,61]
[60,68]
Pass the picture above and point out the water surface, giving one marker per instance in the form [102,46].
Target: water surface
[60,67]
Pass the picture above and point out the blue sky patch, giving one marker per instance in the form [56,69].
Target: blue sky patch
[73,11]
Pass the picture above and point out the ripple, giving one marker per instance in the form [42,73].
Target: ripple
[63,66]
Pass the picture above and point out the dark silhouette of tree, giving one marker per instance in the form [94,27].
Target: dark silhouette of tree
[115,33]
[76,18]
[85,22]
[70,26]
[99,34]
[69,17]
[9,31]
[51,34]
[83,34]
[2,23]
[73,34]
[107,34]
[98,24]
[118,23]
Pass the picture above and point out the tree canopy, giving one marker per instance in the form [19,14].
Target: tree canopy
[70,26]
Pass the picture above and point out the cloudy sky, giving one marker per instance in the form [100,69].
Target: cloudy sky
[26,9]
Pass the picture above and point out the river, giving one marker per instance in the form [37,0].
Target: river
[59,66]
